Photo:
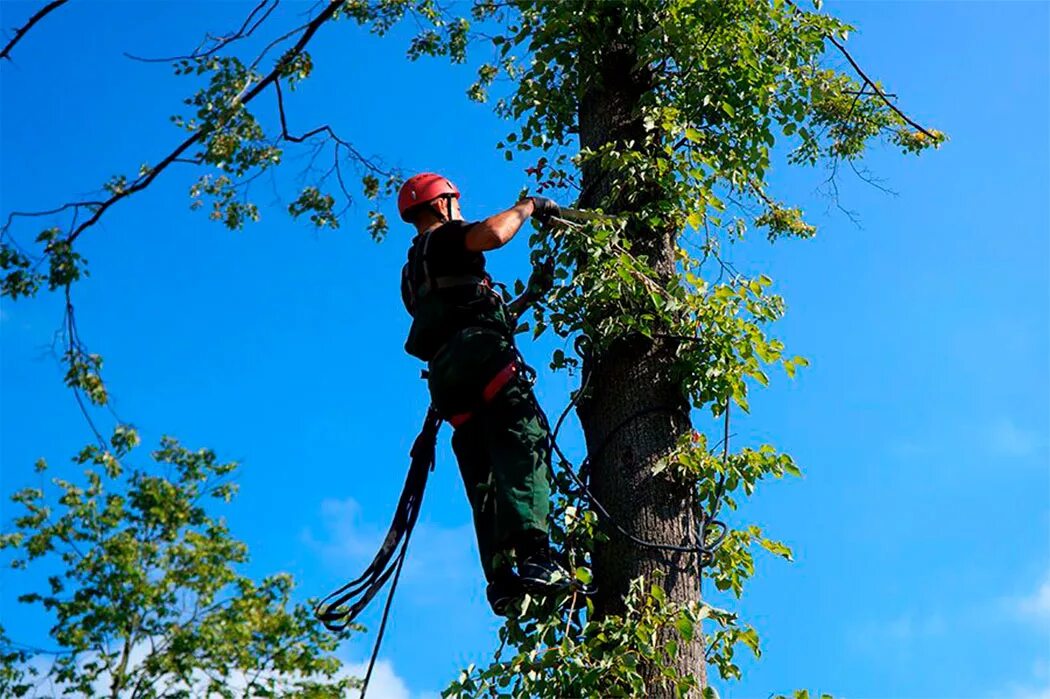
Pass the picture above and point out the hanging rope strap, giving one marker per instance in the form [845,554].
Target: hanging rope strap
[339,609]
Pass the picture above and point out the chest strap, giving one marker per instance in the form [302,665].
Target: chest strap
[491,390]
[452,280]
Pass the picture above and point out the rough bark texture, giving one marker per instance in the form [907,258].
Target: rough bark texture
[635,410]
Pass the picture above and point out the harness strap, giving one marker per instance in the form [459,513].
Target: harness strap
[491,390]
[424,262]
[451,280]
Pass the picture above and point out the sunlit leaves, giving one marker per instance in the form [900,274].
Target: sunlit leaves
[83,374]
[318,205]
[784,222]
[296,68]
[18,276]
[65,265]
[604,657]
[144,566]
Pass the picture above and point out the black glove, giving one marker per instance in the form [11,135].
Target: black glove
[542,277]
[544,208]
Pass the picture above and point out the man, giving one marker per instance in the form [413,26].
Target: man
[464,331]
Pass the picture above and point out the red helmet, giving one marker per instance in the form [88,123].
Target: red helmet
[422,188]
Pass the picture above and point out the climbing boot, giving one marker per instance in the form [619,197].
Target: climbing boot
[540,574]
[504,592]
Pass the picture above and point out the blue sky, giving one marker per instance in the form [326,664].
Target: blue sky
[922,526]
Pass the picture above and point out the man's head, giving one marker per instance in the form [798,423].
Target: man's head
[426,199]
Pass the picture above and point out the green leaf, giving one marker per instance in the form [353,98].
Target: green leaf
[685,627]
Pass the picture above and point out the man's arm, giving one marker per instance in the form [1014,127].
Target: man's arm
[496,231]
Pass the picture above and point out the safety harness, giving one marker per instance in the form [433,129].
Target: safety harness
[418,282]
[489,393]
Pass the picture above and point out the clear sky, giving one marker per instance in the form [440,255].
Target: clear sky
[922,526]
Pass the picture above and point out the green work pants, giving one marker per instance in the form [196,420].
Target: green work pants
[503,449]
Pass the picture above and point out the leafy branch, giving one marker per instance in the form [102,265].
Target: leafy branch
[935,137]
[245,97]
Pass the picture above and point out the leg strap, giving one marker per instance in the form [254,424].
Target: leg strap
[491,390]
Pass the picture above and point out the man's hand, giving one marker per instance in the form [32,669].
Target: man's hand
[543,208]
[542,277]
[540,282]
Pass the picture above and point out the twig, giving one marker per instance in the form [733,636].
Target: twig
[882,95]
[568,617]
[323,129]
[21,31]
[246,30]
[869,179]
[74,350]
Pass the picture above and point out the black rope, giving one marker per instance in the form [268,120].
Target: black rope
[386,615]
[704,550]
[339,609]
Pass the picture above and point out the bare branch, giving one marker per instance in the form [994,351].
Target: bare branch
[331,134]
[866,177]
[21,31]
[32,214]
[833,194]
[250,24]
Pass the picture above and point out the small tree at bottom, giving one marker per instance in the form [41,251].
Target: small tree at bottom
[147,601]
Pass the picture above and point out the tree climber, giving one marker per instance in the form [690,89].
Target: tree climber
[478,381]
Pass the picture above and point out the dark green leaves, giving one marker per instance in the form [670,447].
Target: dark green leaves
[18,277]
[318,205]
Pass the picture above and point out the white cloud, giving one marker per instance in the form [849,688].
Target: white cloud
[442,561]
[1025,692]
[385,682]
[1037,687]
[345,536]
[909,627]
[1035,606]
[1006,438]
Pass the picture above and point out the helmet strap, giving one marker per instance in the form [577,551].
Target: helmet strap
[441,215]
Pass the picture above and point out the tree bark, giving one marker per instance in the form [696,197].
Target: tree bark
[635,410]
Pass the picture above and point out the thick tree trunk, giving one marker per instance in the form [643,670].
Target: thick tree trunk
[635,410]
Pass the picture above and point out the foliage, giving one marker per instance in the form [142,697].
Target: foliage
[724,90]
[148,601]
[603,657]
[15,673]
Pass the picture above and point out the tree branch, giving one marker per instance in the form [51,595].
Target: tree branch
[324,129]
[146,179]
[248,27]
[21,31]
[868,82]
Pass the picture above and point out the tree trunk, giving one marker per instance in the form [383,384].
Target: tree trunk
[635,410]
